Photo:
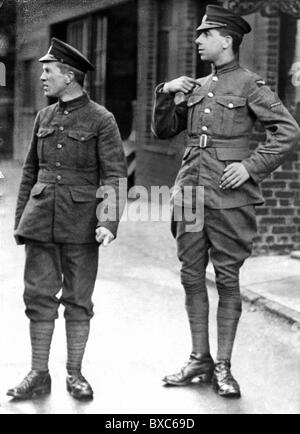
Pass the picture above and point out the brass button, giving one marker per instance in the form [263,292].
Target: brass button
[66,112]
[59,146]
[207,110]
[61,128]
[210,94]
[58,178]
[204,128]
[230,105]
[82,139]
[58,164]
[215,78]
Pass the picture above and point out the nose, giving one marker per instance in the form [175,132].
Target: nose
[199,39]
[42,77]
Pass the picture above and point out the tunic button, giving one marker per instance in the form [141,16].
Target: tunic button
[207,110]
[61,128]
[215,78]
[210,94]
[58,178]
[230,105]
[58,164]
[82,139]
[66,112]
[204,128]
[59,146]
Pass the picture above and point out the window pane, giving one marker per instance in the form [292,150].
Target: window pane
[28,97]
[289,65]
[165,11]
[77,35]
[100,59]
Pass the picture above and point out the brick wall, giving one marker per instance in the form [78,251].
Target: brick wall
[279,218]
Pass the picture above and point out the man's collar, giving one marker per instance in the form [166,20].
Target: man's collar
[226,67]
[74,104]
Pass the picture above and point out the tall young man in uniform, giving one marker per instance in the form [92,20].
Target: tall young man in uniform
[75,148]
[219,114]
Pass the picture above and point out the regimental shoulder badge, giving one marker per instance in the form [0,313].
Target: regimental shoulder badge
[275,104]
[260,83]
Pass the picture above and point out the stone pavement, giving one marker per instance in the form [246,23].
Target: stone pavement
[271,283]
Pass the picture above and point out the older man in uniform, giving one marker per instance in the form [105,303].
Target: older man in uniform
[219,112]
[75,149]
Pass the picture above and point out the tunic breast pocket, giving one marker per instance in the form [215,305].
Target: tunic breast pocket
[43,134]
[231,112]
[194,113]
[85,143]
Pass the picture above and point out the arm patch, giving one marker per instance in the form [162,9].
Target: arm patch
[260,83]
[275,104]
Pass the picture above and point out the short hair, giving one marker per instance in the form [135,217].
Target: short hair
[78,75]
[236,38]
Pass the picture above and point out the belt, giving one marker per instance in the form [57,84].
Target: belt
[68,177]
[204,141]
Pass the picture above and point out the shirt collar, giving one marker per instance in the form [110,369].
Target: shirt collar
[226,67]
[75,103]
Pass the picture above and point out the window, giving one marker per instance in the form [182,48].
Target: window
[289,64]
[89,36]
[77,35]
[100,55]
[2,74]
[28,85]
[165,11]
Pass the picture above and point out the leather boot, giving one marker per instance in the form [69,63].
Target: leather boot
[34,384]
[223,381]
[199,365]
[79,387]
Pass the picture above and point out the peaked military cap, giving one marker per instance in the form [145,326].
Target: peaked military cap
[218,17]
[61,52]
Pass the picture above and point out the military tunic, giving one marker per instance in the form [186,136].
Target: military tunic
[75,149]
[219,116]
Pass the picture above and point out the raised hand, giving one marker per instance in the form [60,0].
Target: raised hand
[182,84]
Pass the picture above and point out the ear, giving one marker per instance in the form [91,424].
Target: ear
[69,77]
[227,42]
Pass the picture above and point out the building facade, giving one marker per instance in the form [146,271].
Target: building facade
[7,57]
[136,44]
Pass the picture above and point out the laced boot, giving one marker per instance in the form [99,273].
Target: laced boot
[223,381]
[199,365]
[34,384]
[79,387]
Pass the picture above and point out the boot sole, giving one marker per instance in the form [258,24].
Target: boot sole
[232,395]
[36,393]
[80,397]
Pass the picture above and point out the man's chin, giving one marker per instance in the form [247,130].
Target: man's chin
[48,94]
[203,57]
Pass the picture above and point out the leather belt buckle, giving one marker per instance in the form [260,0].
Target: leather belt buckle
[203,141]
